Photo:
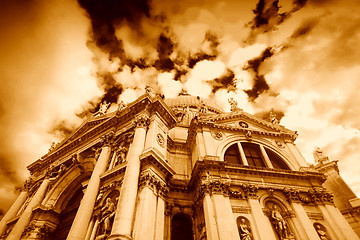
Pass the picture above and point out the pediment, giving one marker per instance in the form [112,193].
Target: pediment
[245,120]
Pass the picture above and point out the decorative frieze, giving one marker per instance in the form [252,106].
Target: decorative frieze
[37,232]
[241,209]
[214,187]
[321,196]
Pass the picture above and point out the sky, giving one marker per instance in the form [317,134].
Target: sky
[60,59]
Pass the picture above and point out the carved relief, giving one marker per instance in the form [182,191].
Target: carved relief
[107,216]
[160,139]
[250,190]
[320,196]
[321,231]
[37,232]
[202,231]
[217,135]
[108,138]
[280,144]
[151,181]
[120,152]
[244,228]
[243,124]
[214,187]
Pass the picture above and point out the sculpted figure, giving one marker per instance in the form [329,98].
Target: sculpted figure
[233,104]
[102,108]
[121,105]
[319,156]
[279,223]
[121,155]
[273,118]
[245,231]
[322,234]
[107,213]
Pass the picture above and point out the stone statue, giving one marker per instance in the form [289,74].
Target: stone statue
[121,155]
[244,230]
[279,223]
[273,118]
[149,90]
[102,108]
[322,234]
[121,105]
[233,104]
[107,214]
[203,108]
[319,156]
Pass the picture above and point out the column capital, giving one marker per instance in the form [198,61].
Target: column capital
[108,139]
[217,186]
[142,121]
[250,190]
[154,183]
[294,195]
[321,196]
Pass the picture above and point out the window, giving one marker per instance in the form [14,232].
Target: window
[232,154]
[181,227]
[253,154]
[276,161]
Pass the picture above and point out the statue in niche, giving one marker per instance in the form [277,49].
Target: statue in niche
[244,229]
[121,155]
[107,215]
[321,231]
[280,224]
[319,156]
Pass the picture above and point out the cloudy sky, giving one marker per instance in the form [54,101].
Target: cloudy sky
[60,58]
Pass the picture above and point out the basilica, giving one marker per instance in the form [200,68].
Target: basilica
[181,169]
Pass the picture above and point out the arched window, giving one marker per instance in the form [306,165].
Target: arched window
[181,227]
[253,155]
[232,155]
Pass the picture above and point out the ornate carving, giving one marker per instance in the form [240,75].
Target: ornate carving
[291,194]
[243,124]
[273,118]
[214,187]
[154,184]
[28,184]
[321,231]
[53,174]
[217,135]
[38,232]
[248,134]
[250,190]
[160,139]
[244,228]
[120,152]
[108,138]
[280,144]
[236,194]
[202,109]
[202,231]
[320,196]
[102,109]
[121,106]
[142,122]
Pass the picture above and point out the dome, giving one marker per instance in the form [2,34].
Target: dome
[193,102]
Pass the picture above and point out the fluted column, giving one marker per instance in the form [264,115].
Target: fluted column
[83,215]
[124,214]
[25,217]
[11,213]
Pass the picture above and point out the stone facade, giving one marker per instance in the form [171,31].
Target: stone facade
[179,168]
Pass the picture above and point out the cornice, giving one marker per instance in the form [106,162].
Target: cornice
[154,158]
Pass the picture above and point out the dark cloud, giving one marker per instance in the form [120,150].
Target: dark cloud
[305,28]
[112,88]
[165,48]
[62,129]
[208,51]
[226,81]
[260,85]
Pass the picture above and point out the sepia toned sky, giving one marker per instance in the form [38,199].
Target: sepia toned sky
[60,58]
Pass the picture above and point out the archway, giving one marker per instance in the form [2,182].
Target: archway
[181,227]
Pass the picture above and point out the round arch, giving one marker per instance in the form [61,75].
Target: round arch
[181,227]
[285,157]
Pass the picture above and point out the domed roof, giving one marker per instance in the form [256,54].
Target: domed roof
[193,102]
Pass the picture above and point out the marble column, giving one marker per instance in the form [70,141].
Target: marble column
[25,217]
[262,223]
[332,223]
[11,213]
[226,223]
[344,226]
[210,221]
[124,214]
[144,227]
[83,215]
[160,219]
[90,229]
[93,232]
[305,222]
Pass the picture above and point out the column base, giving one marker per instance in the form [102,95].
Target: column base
[118,237]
